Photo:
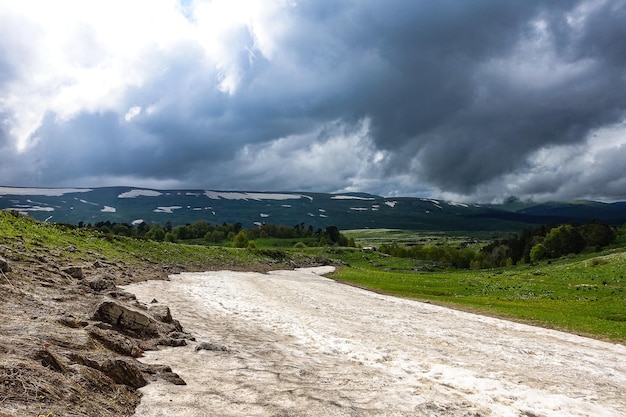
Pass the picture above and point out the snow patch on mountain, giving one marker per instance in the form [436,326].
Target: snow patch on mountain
[351,197]
[233,195]
[139,193]
[168,210]
[48,192]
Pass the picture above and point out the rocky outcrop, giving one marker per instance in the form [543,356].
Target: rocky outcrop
[126,319]
[115,341]
[121,370]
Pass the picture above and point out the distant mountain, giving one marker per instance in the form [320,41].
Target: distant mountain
[346,211]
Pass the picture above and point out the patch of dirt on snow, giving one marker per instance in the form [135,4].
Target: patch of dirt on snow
[293,343]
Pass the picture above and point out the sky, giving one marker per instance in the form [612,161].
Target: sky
[465,100]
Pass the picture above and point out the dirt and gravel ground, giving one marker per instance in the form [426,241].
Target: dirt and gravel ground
[293,343]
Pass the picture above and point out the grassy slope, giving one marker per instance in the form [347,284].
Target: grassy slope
[75,245]
[584,295]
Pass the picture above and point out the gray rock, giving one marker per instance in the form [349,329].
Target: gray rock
[74,271]
[211,346]
[126,318]
[101,283]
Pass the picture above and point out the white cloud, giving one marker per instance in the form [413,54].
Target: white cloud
[132,113]
[84,56]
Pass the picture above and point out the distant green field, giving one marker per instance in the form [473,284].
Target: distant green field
[374,237]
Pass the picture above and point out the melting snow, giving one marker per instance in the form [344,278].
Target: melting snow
[139,193]
[168,210]
[108,209]
[49,192]
[24,208]
[435,202]
[232,195]
[351,197]
[391,204]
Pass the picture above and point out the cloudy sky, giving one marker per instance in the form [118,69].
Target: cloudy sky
[471,100]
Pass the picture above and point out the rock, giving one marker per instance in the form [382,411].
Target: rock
[123,372]
[115,341]
[173,378]
[126,318]
[161,313]
[170,341]
[101,283]
[50,361]
[211,346]
[164,372]
[4,265]
[69,320]
[73,271]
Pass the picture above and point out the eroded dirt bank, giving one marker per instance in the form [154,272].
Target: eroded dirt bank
[293,343]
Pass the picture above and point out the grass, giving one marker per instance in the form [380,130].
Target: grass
[75,245]
[377,237]
[584,295]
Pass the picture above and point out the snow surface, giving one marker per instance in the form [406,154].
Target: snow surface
[303,345]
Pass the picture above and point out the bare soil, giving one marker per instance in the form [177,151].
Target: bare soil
[293,343]
[56,358]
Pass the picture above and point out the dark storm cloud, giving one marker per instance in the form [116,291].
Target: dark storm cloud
[467,124]
[458,97]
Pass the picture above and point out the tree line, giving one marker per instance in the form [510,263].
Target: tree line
[204,232]
[531,245]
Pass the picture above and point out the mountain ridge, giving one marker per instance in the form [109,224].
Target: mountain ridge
[352,210]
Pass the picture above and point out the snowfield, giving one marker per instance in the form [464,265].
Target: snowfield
[300,344]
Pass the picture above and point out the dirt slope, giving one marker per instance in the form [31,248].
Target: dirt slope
[297,344]
[68,345]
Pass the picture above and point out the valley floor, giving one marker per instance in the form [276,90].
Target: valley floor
[293,343]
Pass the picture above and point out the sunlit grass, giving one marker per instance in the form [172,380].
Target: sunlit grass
[584,295]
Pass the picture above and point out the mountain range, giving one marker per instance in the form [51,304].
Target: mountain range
[346,211]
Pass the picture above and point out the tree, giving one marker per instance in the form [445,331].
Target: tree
[156,232]
[332,232]
[598,235]
[563,240]
[538,252]
[216,236]
[241,240]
